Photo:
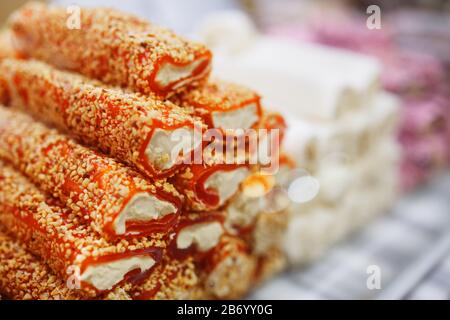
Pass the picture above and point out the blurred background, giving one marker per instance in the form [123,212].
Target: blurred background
[365,89]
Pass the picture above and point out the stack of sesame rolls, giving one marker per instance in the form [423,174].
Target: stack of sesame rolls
[102,195]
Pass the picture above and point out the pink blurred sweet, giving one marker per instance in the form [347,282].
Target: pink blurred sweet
[411,175]
[347,31]
[422,159]
[430,152]
[425,116]
[353,34]
[423,31]
[410,73]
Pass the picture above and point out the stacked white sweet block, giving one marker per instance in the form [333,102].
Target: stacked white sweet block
[342,130]
[354,161]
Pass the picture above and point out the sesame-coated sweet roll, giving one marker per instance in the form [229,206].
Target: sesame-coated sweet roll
[222,105]
[228,271]
[177,276]
[112,46]
[114,199]
[73,250]
[191,243]
[220,259]
[25,277]
[208,187]
[152,135]
[196,234]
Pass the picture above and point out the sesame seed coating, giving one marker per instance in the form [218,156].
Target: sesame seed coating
[6,51]
[112,46]
[96,188]
[172,279]
[120,124]
[25,277]
[58,236]
[216,96]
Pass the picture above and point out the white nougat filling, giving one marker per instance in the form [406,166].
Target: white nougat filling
[104,276]
[166,147]
[242,118]
[142,207]
[205,235]
[170,73]
[226,183]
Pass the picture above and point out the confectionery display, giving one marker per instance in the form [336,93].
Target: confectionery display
[101,190]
